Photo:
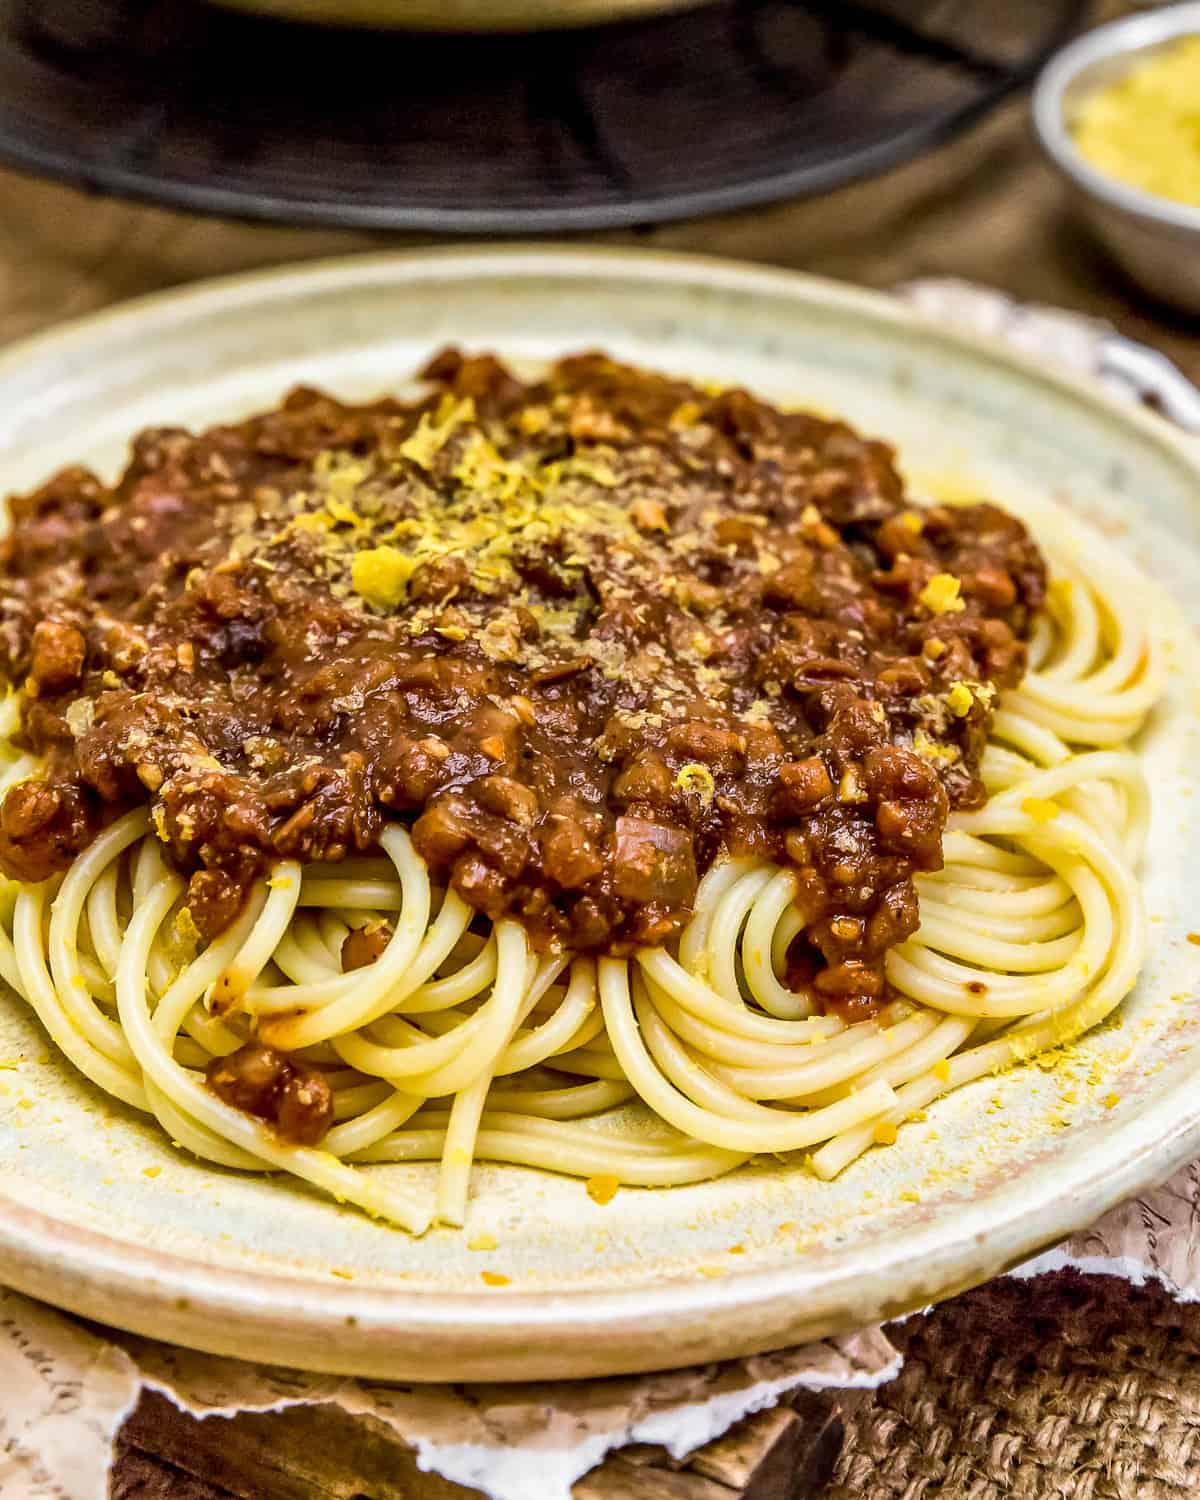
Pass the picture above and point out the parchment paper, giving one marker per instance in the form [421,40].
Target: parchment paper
[66,1388]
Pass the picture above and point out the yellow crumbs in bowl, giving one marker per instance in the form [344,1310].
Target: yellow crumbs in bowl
[1144,128]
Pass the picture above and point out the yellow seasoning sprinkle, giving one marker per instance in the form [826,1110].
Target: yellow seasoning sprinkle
[341,511]
[702,645]
[885,1133]
[649,515]
[697,778]
[933,648]
[1194,938]
[279,883]
[712,1272]
[910,1197]
[912,521]
[1110,1101]
[380,575]
[312,520]
[942,595]
[602,1188]
[687,414]
[482,1242]
[495,1278]
[1040,809]
[341,1273]
[431,432]
[151,1171]
[941,1070]
[185,925]
[959,700]
[737,1249]
[533,419]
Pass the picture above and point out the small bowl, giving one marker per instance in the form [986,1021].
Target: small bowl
[1156,240]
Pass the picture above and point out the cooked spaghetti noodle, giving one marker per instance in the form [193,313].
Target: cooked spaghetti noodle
[463,1036]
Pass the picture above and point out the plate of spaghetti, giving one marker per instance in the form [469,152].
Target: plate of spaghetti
[567,812]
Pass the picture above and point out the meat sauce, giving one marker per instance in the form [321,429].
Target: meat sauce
[584,635]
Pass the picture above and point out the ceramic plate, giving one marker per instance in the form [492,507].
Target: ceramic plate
[100,1215]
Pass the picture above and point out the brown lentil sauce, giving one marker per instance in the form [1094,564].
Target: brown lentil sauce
[585,635]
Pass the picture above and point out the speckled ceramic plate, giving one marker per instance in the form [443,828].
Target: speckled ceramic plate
[100,1215]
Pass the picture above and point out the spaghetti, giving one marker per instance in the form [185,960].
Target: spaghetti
[379,994]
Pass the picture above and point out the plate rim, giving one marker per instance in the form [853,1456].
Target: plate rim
[296,1318]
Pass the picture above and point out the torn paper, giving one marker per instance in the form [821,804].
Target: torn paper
[65,1391]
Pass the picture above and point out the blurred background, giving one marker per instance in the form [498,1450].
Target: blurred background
[147,143]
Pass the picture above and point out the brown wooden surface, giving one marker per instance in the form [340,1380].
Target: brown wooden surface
[320,1453]
[986,208]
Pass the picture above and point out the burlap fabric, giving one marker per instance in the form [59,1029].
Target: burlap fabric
[1071,1386]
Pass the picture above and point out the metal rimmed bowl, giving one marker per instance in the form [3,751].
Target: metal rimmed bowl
[1155,239]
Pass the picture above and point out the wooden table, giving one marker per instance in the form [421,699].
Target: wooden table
[986,208]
